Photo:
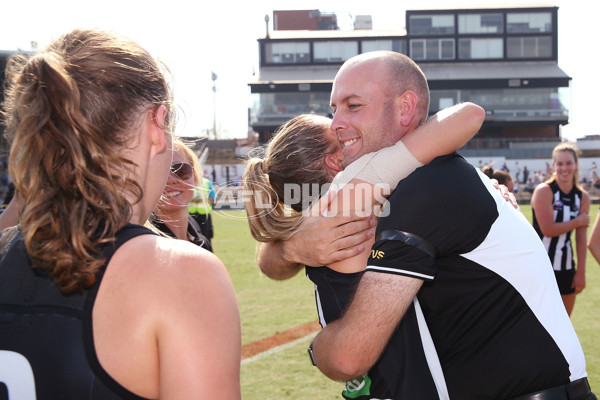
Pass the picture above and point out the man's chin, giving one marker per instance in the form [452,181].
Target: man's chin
[351,154]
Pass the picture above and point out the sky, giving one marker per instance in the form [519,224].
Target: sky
[196,38]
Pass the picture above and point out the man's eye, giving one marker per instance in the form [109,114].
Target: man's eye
[353,106]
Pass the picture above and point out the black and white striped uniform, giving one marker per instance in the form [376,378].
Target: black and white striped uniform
[566,207]
[489,313]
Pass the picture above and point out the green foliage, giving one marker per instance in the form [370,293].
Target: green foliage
[268,307]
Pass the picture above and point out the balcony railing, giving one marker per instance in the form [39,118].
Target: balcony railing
[511,143]
[286,112]
[529,114]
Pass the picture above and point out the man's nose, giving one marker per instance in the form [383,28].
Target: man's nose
[337,123]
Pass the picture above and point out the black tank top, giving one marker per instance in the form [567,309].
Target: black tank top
[46,337]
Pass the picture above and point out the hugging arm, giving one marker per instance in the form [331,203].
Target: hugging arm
[325,241]
[445,132]
[349,347]
[318,241]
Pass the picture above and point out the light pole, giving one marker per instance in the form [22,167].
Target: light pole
[267,25]
[214,89]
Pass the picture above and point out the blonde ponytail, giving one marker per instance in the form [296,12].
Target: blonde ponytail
[295,156]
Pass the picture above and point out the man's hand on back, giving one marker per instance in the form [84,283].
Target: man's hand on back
[320,240]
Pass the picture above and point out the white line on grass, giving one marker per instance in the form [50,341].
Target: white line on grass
[277,349]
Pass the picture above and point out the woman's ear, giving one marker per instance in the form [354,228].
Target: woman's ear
[333,161]
[158,133]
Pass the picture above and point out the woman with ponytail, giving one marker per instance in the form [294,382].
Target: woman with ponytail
[560,213]
[294,159]
[93,304]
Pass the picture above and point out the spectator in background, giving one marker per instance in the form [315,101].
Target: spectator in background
[560,207]
[172,216]
[594,178]
[539,177]
[584,180]
[10,192]
[202,205]
[594,171]
[525,175]
[4,180]
[502,176]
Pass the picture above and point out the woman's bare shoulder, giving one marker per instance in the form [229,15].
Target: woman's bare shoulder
[162,290]
[167,264]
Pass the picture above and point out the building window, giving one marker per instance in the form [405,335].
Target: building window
[335,51]
[480,48]
[441,99]
[417,49]
[529,47]
[528,22]
[287,53]
[516,103]
[447,49]
[480,23]
[276,108]
[397,45]
[442,24]
[432,49]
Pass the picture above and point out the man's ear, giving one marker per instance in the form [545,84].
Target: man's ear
[158,135]
[334,163]
[408,107]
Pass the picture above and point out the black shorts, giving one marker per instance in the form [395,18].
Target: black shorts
[565,281]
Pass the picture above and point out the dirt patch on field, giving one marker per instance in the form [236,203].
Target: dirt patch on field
[278,339]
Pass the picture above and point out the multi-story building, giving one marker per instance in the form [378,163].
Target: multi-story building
[504,59]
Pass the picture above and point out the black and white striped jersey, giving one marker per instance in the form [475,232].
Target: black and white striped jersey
[566,207]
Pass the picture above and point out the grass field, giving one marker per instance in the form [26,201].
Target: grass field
[268,307]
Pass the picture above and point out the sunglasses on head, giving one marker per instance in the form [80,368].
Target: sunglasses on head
[181,170]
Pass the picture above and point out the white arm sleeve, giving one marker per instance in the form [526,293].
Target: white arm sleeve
[387,166]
